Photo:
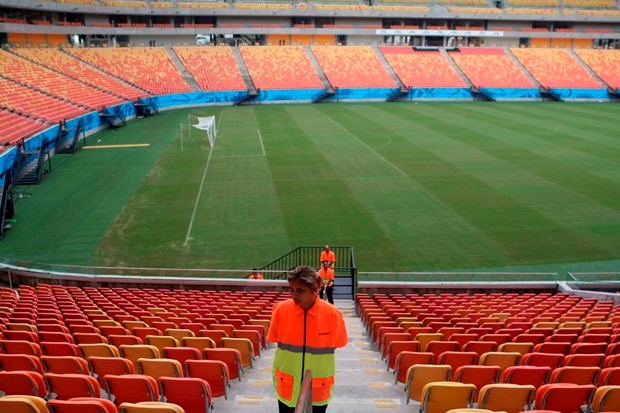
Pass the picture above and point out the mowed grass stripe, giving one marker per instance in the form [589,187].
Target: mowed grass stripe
[563,172]
[425,228]
[321,209]
[509,222]
[239,221]
[510,173]
[567,137]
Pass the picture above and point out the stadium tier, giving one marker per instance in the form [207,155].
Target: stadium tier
[15,127]
[603,63]
[274,67]
[555,68]
[490,68]
[509,349]
[149,69]
[423,68]
[58,85]
[214,68]
[36,105]
[60,61]
[353,67]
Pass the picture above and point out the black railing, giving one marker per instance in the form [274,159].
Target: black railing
[345,268]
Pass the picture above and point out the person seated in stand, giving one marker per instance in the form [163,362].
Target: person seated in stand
[327,274]
[255,275]
[328,255]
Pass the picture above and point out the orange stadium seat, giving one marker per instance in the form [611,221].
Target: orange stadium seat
[422,69]
[277,67]
[352,67]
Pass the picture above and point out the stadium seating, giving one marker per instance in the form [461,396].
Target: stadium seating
[60,86]
[421,69]
[68,65]
[214,68]
[277,67]
[490,67]
[352,67]
[555,68]
[603,63]
[149,69]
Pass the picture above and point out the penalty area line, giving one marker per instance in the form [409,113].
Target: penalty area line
[129,145]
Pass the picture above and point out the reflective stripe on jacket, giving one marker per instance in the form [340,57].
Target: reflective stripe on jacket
[305,341]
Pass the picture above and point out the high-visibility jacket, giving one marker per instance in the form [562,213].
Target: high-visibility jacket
[328,276]
[328,256]
[305,341]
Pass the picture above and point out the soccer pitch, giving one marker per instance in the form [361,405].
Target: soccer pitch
[412,187]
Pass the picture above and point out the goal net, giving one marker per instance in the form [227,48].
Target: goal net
[207,124]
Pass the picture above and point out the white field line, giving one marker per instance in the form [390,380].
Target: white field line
[400,171]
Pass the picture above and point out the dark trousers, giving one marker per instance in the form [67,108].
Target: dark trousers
[330,294]
[283,408]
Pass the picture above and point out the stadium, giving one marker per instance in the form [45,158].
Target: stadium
[461,158]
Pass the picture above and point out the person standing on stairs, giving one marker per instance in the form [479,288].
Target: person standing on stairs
[308,331]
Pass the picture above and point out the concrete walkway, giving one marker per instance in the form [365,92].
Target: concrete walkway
[363,383]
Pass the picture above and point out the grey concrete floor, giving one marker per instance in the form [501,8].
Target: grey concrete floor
[363,383]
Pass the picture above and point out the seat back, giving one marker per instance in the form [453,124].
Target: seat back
[22,382]
[609,377]
[245,348]
[584,360]
[159,367]
[550,360]
[215,372]
[191,393]
[501,359]
[59,349]
[97,350]
[563,397]
[521,348]
[161,341]
[575,375]
[139,351]
[230,356]
[101,366]
[13,362]
[479,376]
[441,396]
[456,359]
[67,386]
[407,359]
[254,337]
[510,398]
[606,399]
[182,353]
[81,405]
[397,347]
[23,404]
[65,365]
[527,375]
[150,407]
[199,343]
[132,388]
[419,375]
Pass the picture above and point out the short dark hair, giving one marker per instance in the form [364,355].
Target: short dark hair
[306,274]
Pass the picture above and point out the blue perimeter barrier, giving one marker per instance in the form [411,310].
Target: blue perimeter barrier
[92,122]
[496,93]
[580,94]
[438,93]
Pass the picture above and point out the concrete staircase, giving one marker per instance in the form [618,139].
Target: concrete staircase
[403,88]
[520,65]
[588,68]
[245,73]
[456,67]
[363,383]
[187,76]
[318,69]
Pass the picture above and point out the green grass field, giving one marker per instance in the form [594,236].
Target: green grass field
[412,187]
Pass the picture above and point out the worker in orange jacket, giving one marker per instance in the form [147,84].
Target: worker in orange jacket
[327,274]
[255,275]
[328,255]
[308,331]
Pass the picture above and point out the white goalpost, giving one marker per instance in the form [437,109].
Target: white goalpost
[207,124]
